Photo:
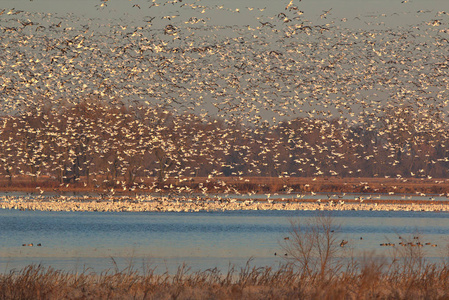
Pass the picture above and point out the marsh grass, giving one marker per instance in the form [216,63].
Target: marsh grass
[314,269]
[372,279]
[248,184]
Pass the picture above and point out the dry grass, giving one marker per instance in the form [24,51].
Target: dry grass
[314,270]
[243,184]
[368,279]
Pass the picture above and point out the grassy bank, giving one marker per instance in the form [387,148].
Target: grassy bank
[364,185]
[367,279]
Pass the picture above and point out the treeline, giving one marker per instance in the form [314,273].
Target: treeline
[93,143]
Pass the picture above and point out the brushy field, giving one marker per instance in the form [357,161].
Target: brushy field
[366,280]
[314,269]
[234,184]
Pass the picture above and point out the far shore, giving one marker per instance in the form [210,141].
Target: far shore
[204,194]
[232,184]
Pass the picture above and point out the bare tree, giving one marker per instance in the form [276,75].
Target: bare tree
[314,246]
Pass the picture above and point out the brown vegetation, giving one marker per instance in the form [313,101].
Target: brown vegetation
[234,184]
[371,280]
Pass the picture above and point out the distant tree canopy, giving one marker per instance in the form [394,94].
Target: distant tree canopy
[120,143]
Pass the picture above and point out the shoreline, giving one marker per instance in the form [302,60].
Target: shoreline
[258,185]
[166,204]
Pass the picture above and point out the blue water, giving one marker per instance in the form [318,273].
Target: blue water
[101,241]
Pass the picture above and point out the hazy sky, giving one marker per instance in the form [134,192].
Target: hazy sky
[312,8]
[377,15]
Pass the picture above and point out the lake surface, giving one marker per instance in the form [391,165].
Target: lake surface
[100,241]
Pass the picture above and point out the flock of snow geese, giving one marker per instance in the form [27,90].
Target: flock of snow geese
[278,68]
